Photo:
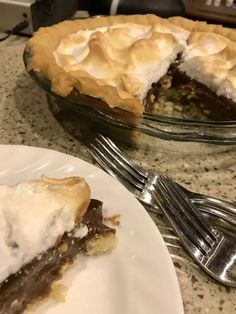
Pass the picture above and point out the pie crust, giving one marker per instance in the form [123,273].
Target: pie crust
[45,41]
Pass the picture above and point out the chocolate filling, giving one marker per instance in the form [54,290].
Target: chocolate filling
[208,105]
[34,280]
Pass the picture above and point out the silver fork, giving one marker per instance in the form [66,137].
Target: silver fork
[140,182]
[214,251]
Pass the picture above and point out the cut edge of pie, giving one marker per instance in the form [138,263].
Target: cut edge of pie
[45,41]
[44,225]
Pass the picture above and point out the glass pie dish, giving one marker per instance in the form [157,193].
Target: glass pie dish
[175,121]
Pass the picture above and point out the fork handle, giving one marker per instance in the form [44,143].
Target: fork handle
[223,216]
[212,202]
[225,220]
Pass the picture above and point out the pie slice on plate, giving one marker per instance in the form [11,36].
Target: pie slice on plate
[44,224]
[118,59]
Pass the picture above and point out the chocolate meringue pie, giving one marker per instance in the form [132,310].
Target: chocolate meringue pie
[44,225]
[119,59]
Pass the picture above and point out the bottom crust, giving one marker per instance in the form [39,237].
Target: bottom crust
[34,281]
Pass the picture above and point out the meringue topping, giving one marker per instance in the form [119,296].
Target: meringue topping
[117,58]
[211,59]
[127,56]
[34,215]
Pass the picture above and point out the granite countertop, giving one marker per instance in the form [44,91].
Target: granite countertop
[26,119]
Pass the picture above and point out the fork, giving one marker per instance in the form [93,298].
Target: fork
[140,182]
[214,251]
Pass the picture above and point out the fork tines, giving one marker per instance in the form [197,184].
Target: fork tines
[110,158]
[183,216]
[214,251]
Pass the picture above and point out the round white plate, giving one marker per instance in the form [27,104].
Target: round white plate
[137,277]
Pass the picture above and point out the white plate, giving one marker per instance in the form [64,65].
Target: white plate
[138,277]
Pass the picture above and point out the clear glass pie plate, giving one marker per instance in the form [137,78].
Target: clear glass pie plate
[92,116]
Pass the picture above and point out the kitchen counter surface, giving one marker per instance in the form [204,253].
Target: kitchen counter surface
[26,119]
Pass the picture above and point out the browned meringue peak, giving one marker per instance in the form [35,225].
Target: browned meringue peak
[127,56]
[228,88]
[210,59]
[34,215]
[179,33]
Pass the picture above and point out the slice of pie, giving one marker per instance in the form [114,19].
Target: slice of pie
[44,225]
[119,59]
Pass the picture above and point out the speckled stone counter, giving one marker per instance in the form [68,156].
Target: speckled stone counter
[26,119]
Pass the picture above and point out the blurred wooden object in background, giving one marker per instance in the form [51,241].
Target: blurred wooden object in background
[223,11]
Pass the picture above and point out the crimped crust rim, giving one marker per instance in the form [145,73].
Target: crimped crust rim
[46,40]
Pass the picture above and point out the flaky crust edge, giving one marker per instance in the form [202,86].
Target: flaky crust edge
[46,40]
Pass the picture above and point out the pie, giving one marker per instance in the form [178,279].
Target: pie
[44,225]
[120,59]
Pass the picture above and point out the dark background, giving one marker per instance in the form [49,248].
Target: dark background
[162,8]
